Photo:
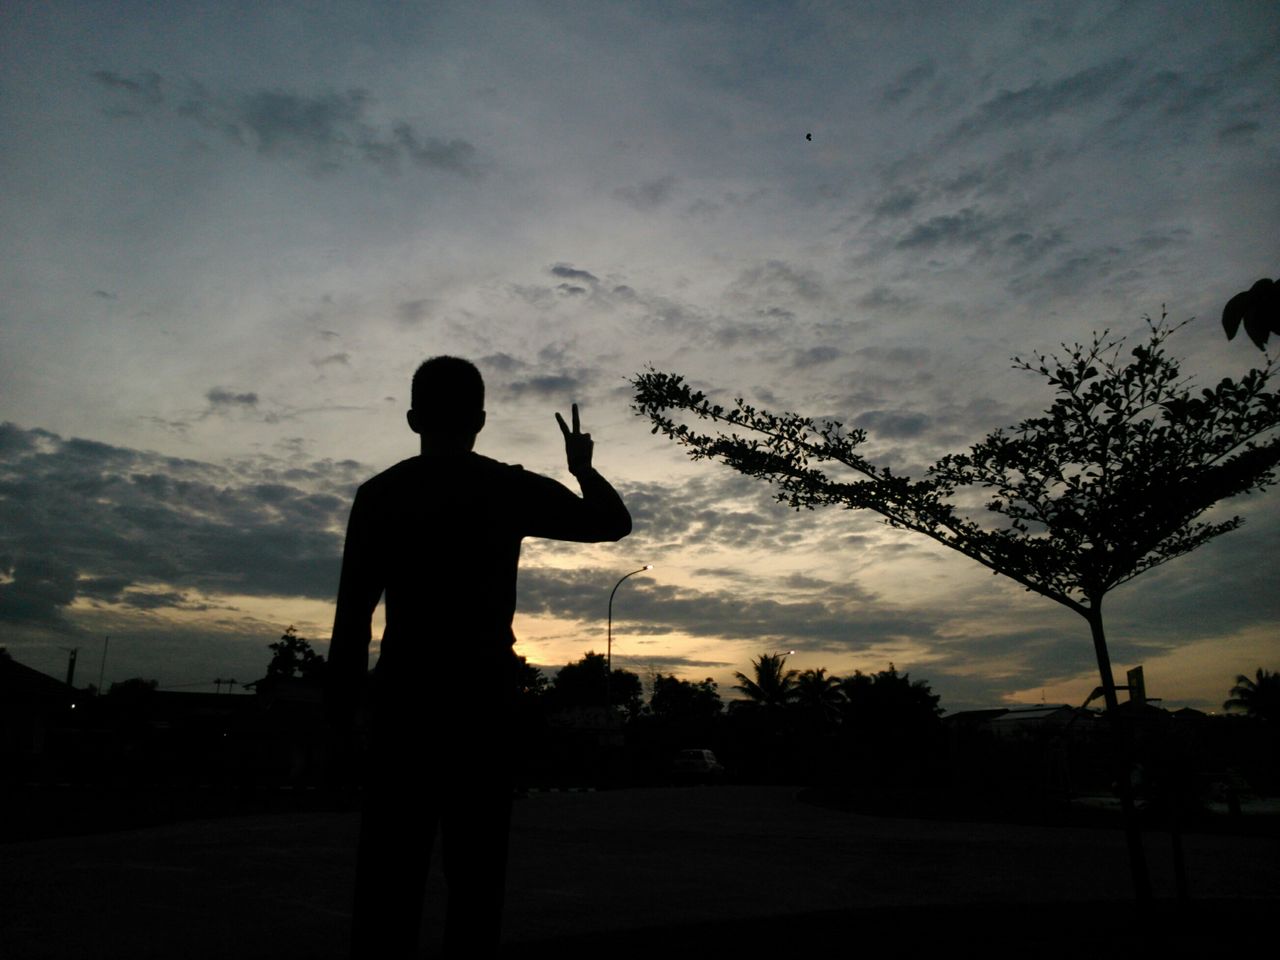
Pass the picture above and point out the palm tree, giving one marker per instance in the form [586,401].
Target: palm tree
[773,686]
[819,695]
[1257,698]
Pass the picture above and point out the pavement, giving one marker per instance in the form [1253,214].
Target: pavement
[675,871]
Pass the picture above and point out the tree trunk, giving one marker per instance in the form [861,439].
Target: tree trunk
[1122,757]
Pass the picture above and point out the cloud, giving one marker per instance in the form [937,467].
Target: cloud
[899,356]
[909,82]
[552,386]
[329,130]
[85,519]
[833,622]
[457,156]
[413,312]
[37,589]
[1242,132]
[895,424]
[1173,92]
[898,203]
[1041,100]
[721,509]
[967,227]
[1029,247]
[814,357]
[567,272]
[881,297]
[145,88]
[220,398]
[155,599]
[777,279]
[501,363]
[648,195]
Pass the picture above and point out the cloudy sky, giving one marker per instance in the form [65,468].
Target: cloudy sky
[231,231]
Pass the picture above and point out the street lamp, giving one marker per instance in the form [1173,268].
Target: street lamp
[608,669]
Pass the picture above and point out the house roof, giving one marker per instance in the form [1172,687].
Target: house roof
[1029,714]
[20,683]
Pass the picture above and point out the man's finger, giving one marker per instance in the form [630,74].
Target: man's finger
[564,427]
[577,427]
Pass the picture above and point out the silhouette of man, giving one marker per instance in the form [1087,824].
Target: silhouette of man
[439,534]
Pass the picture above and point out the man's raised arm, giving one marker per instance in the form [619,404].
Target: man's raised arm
[597,493]
[554,512]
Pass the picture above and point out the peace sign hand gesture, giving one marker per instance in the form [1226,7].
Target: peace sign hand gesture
[577,445]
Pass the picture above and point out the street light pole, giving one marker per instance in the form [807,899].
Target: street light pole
[608,669]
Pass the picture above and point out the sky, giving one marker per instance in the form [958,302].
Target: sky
[231,231]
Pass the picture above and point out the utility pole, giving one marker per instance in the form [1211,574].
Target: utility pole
[71,664]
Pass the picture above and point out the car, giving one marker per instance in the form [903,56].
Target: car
[697,764]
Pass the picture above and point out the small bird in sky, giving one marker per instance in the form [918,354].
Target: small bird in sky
[808,136]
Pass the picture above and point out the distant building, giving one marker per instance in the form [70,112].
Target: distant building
[1018,721]
[32,704]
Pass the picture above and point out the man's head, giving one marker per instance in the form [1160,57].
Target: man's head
[447,403]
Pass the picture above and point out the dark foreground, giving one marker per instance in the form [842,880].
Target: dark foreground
[633,873]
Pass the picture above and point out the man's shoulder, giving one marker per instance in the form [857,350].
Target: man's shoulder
[391,477]
[411,473]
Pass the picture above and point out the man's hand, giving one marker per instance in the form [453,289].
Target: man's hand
[577,445]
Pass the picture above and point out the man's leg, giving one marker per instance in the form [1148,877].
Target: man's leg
[475,825]
[397,827]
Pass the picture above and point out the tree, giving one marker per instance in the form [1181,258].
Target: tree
[890,725]
[134,689]
[889,698]
[1259,697]
[773,686]
[1111,482]
[819,695]
[292,656]
[679,700]
[582,684]
[1258,308]
[530,680]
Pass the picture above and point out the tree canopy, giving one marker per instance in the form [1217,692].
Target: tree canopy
[681,700]
[889,699]
[772,686]
[292,656]
[582,684]
[1111,481]
[1259,697]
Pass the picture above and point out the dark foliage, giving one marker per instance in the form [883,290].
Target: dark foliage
[1258,308]
[1259,697]
[1109,483]
[582,684]
[773,686]
[679,700]
[292,656]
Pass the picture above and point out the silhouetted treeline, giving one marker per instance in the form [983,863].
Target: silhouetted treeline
[875,740]
[791,726]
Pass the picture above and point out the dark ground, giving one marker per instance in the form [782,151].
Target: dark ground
[644,873]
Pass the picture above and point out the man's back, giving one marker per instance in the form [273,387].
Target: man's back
[441,536]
